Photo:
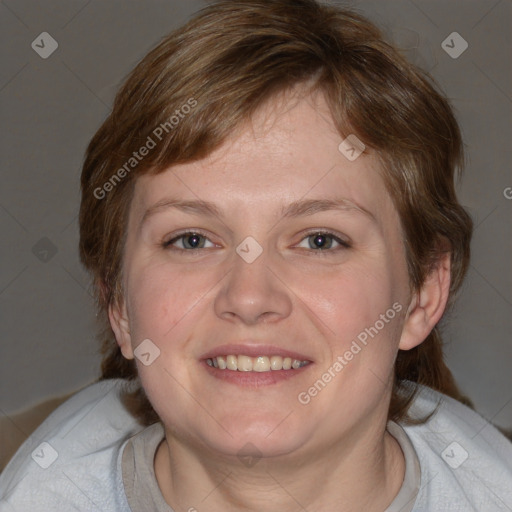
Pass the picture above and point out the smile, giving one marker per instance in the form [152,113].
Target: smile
[243,363]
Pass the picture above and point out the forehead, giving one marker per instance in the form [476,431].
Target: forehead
[290,150]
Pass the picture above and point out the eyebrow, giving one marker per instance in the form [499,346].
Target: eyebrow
[312,206]
[198,207]
[298,208]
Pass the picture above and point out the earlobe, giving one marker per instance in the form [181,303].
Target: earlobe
[427,306]
[118,317]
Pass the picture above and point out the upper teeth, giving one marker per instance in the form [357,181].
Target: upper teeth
[255,364]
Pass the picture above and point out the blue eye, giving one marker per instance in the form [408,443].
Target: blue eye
[188,241]
[320,241]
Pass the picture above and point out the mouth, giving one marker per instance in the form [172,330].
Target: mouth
[244,363]
[254,365]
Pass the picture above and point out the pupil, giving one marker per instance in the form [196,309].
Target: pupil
[320,240]
[193,240]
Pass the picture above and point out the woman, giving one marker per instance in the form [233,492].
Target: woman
[270,219]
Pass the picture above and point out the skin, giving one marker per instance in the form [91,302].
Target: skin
[333,453]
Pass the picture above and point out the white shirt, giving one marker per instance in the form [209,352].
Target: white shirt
[455,462]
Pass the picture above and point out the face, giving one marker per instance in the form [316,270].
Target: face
[280,248]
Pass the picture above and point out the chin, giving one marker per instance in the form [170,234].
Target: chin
[256,438]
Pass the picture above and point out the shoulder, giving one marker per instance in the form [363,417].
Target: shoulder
[466,463]
[72,459]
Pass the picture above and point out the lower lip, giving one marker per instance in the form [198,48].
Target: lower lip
[254,379]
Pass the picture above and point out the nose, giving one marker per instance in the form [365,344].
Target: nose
[252,293]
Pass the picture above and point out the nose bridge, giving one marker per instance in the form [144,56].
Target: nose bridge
[250,291]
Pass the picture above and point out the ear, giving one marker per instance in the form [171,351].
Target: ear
[118,317]
[427,306]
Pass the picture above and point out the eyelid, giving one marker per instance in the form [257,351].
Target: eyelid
[176,236]
[338,237]
[345,244]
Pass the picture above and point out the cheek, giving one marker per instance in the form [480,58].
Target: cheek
[160,299]
[348,300]
[356,304]
[165,306]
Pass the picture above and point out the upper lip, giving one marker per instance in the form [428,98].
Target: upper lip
[253,350]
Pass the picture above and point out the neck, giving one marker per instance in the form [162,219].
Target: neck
[363,471]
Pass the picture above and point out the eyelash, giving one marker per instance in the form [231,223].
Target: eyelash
[168,244]
[343,244]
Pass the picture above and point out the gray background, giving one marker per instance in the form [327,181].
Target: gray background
[52,107]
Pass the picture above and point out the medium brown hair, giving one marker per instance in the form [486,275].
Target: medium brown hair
[226,62]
